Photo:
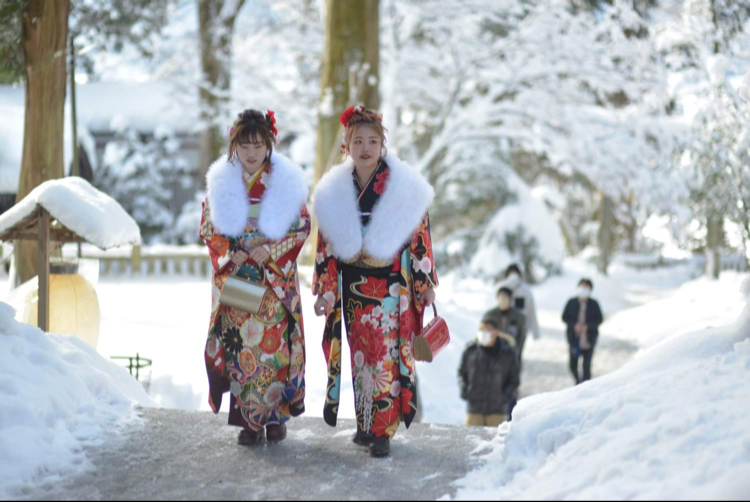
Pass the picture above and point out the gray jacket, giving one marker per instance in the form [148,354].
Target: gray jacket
[523,300]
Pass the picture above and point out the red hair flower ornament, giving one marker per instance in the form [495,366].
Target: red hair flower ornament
[271,120]
[345,117]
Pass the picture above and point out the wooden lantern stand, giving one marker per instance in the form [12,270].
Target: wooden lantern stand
[40,226]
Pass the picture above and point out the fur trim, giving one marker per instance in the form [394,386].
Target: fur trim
[286,192]
[395,216]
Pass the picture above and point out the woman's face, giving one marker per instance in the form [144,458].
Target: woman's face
[252,155]
[365,147]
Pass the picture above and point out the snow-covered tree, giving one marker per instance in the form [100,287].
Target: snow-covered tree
[579,90]
[147,176]
[44,29]
[707,57]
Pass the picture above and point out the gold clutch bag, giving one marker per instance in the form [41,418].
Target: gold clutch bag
[244,294]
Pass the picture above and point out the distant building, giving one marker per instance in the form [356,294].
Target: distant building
[143,106]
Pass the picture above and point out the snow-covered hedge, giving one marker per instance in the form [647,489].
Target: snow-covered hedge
[672,424]
[58,395]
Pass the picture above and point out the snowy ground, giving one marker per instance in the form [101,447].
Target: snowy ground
[58,396]
[672,424]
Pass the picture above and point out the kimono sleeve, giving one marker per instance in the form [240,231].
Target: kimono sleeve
[218,245]
[284,252]
[326,279]
[422,260]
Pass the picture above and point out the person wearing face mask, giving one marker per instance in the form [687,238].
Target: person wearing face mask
[523,300]
[582,316]
[489,376]
[508,319]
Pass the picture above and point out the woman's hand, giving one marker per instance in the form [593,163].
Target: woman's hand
[322,307]
[239,258]
[428,297]
[259,255]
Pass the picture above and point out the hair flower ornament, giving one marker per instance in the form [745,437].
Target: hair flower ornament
[345,117]
[271,121]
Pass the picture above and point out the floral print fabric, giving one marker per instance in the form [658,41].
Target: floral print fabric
[260,358]
[382,317]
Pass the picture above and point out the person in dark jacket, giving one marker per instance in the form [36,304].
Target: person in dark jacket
[489,376]
[508,319]
[583,316]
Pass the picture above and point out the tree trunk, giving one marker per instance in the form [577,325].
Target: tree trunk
[714,241]
[351,40]
[606,234]
[216,30]
[45,33]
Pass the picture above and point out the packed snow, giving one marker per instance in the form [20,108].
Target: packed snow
[59,396]
[80,207]
[672,424]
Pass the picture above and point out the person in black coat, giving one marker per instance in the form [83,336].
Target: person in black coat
[489,376]
[582,316]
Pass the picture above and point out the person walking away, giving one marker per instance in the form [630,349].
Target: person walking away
[489,376]
[375,274]
[583,316]
[254,223]
[523,300]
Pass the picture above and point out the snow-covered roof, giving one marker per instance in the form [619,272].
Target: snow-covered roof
[82,209]
[144,106]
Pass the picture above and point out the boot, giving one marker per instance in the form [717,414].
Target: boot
[362,438]
[297,409]
[380,448]
[249,438]
[275,433]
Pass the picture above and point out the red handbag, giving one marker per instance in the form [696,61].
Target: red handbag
[433,339]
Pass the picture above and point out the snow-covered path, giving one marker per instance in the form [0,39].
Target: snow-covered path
[545,366]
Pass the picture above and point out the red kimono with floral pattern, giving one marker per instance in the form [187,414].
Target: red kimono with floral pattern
[377,301]
[260,358]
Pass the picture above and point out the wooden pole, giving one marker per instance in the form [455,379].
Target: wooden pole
[75,169]
[44,252]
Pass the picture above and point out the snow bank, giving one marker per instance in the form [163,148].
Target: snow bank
[80,207]
[58,395]
[696,304]
[524,227]
[672,424]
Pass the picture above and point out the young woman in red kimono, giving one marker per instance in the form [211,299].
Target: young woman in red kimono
[254,223]
[374,269]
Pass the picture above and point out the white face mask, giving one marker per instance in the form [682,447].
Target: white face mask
[514,280]
[484,338]
[584,292]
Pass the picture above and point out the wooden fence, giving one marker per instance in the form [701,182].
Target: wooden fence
[151,261]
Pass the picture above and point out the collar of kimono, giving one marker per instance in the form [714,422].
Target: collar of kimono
[395,217]
[286,192]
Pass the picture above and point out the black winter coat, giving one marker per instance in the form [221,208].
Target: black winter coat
[489,378]
[594,318]
[511,321]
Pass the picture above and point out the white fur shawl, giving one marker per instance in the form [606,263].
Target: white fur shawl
[395,217]
[286,192]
